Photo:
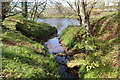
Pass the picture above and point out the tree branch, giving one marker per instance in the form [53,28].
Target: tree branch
[13,14]
[92,6]
[70,5]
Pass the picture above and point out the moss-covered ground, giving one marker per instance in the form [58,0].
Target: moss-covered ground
[101,50]
[39,32]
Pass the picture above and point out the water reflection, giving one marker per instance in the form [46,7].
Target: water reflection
[54,46]
[59,23]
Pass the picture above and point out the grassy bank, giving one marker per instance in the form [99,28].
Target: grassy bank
[23,55]
[23,63]
[98,55]
[40,32]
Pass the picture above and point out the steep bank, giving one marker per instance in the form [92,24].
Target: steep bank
[23,55]
[40,32]
[97,56]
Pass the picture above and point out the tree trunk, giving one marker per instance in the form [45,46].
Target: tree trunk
[78,12]
[4,7]
[35,12]
[24,7]
[85,20]
[0,11]
[3,10]
[84,16]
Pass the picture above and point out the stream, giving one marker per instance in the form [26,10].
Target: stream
[53,45]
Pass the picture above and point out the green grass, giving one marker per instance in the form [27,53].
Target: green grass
[69,34]
[17,38]
[23,56]
[23,63]
[40,32]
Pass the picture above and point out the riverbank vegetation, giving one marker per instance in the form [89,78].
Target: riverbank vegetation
[23,53]
[91,48]
[98,55]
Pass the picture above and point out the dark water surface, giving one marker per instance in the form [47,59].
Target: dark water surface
[53,45]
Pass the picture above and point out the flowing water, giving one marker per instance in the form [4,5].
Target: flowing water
[53,45]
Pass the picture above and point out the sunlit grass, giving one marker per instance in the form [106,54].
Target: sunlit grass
[23,63]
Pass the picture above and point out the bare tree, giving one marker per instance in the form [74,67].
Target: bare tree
[59,8]
[6,9]
[83,10]
[36,9]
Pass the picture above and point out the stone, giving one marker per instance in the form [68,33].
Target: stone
[60,54]
[76,60]
[72,52]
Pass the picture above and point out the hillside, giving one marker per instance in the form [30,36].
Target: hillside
[23,54]
[96,55]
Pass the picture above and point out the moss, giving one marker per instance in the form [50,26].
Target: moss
[17,38]
[40,32]
[69,35]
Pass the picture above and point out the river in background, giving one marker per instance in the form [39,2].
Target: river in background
[53,45]
[59,23]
